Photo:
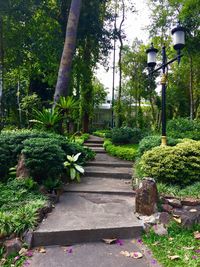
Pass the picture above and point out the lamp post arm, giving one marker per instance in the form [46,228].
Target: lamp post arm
[166,64]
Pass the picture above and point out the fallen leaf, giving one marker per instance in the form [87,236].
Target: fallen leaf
[170,238]
[125,253]
[109,241]
[41,250]
[156,243]
[186,258]
[192,210]
[188,248]
[23,251]
[174,257]
[136,255]
[176,219]
[197,235]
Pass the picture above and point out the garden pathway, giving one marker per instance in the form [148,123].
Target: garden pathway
[101,206]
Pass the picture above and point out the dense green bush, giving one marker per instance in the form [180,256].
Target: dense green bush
[173,165]
[12,143]
[126,152]
[126,135]
[184,128]
[151,141]
[43,157]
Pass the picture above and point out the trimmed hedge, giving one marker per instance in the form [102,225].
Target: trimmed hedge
[151,141]
[172,165]
[123,152]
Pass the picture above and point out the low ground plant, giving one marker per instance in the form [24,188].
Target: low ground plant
[19,203]
[179,242]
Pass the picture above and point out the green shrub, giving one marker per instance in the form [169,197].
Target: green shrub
[124,152]
[151,141]
[172,165]
[43,157]
[184,128]
[126,135]
[12,143]
[102,133]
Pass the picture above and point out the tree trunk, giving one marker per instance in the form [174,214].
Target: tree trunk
[1,64]
[119,116]
[191,90]
[62,86]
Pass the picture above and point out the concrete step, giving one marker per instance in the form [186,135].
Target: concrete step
[80,217]
[98,150]
[101,186]
[110,164]
[96,254]
[114,172]
[93,144]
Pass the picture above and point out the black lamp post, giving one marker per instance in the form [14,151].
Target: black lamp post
[178,34]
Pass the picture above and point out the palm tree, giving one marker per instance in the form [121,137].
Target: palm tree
[68,51]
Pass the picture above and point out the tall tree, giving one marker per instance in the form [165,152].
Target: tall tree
[62,86]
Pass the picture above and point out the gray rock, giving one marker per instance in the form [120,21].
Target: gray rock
[12,246]
[160,230]
[164,218]
[176,203]
[167,208]
[28,237]
[146,197]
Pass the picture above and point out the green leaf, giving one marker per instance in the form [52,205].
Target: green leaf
[76,157]
[72,173]
[70,158]
[79,168]
[78,177]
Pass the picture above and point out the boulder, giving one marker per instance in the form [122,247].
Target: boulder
[160,230]
[164,218]
[146,197]
[12,246]
[176,203]
[22,171]
[190,202]
[167,208]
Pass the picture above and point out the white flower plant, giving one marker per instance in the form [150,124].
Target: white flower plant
[75,170]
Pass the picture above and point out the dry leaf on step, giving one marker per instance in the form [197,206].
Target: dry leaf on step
[136,255]
[125,253]
[109,241]
[41,250]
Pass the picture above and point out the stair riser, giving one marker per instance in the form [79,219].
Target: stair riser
[99,151]
[65,238]
[95,142]
[109,175]
[93,145]
[110,165]
[104,192]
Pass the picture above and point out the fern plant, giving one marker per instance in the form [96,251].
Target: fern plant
[47,119]
[73,168]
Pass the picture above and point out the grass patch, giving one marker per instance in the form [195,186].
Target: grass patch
[175,190]
[180,242]
[19,202]
[126,152]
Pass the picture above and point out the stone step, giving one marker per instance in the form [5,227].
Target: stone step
[110,164]
[114,172]
[80,217]
[101,185]
[93,144]
[98,149]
